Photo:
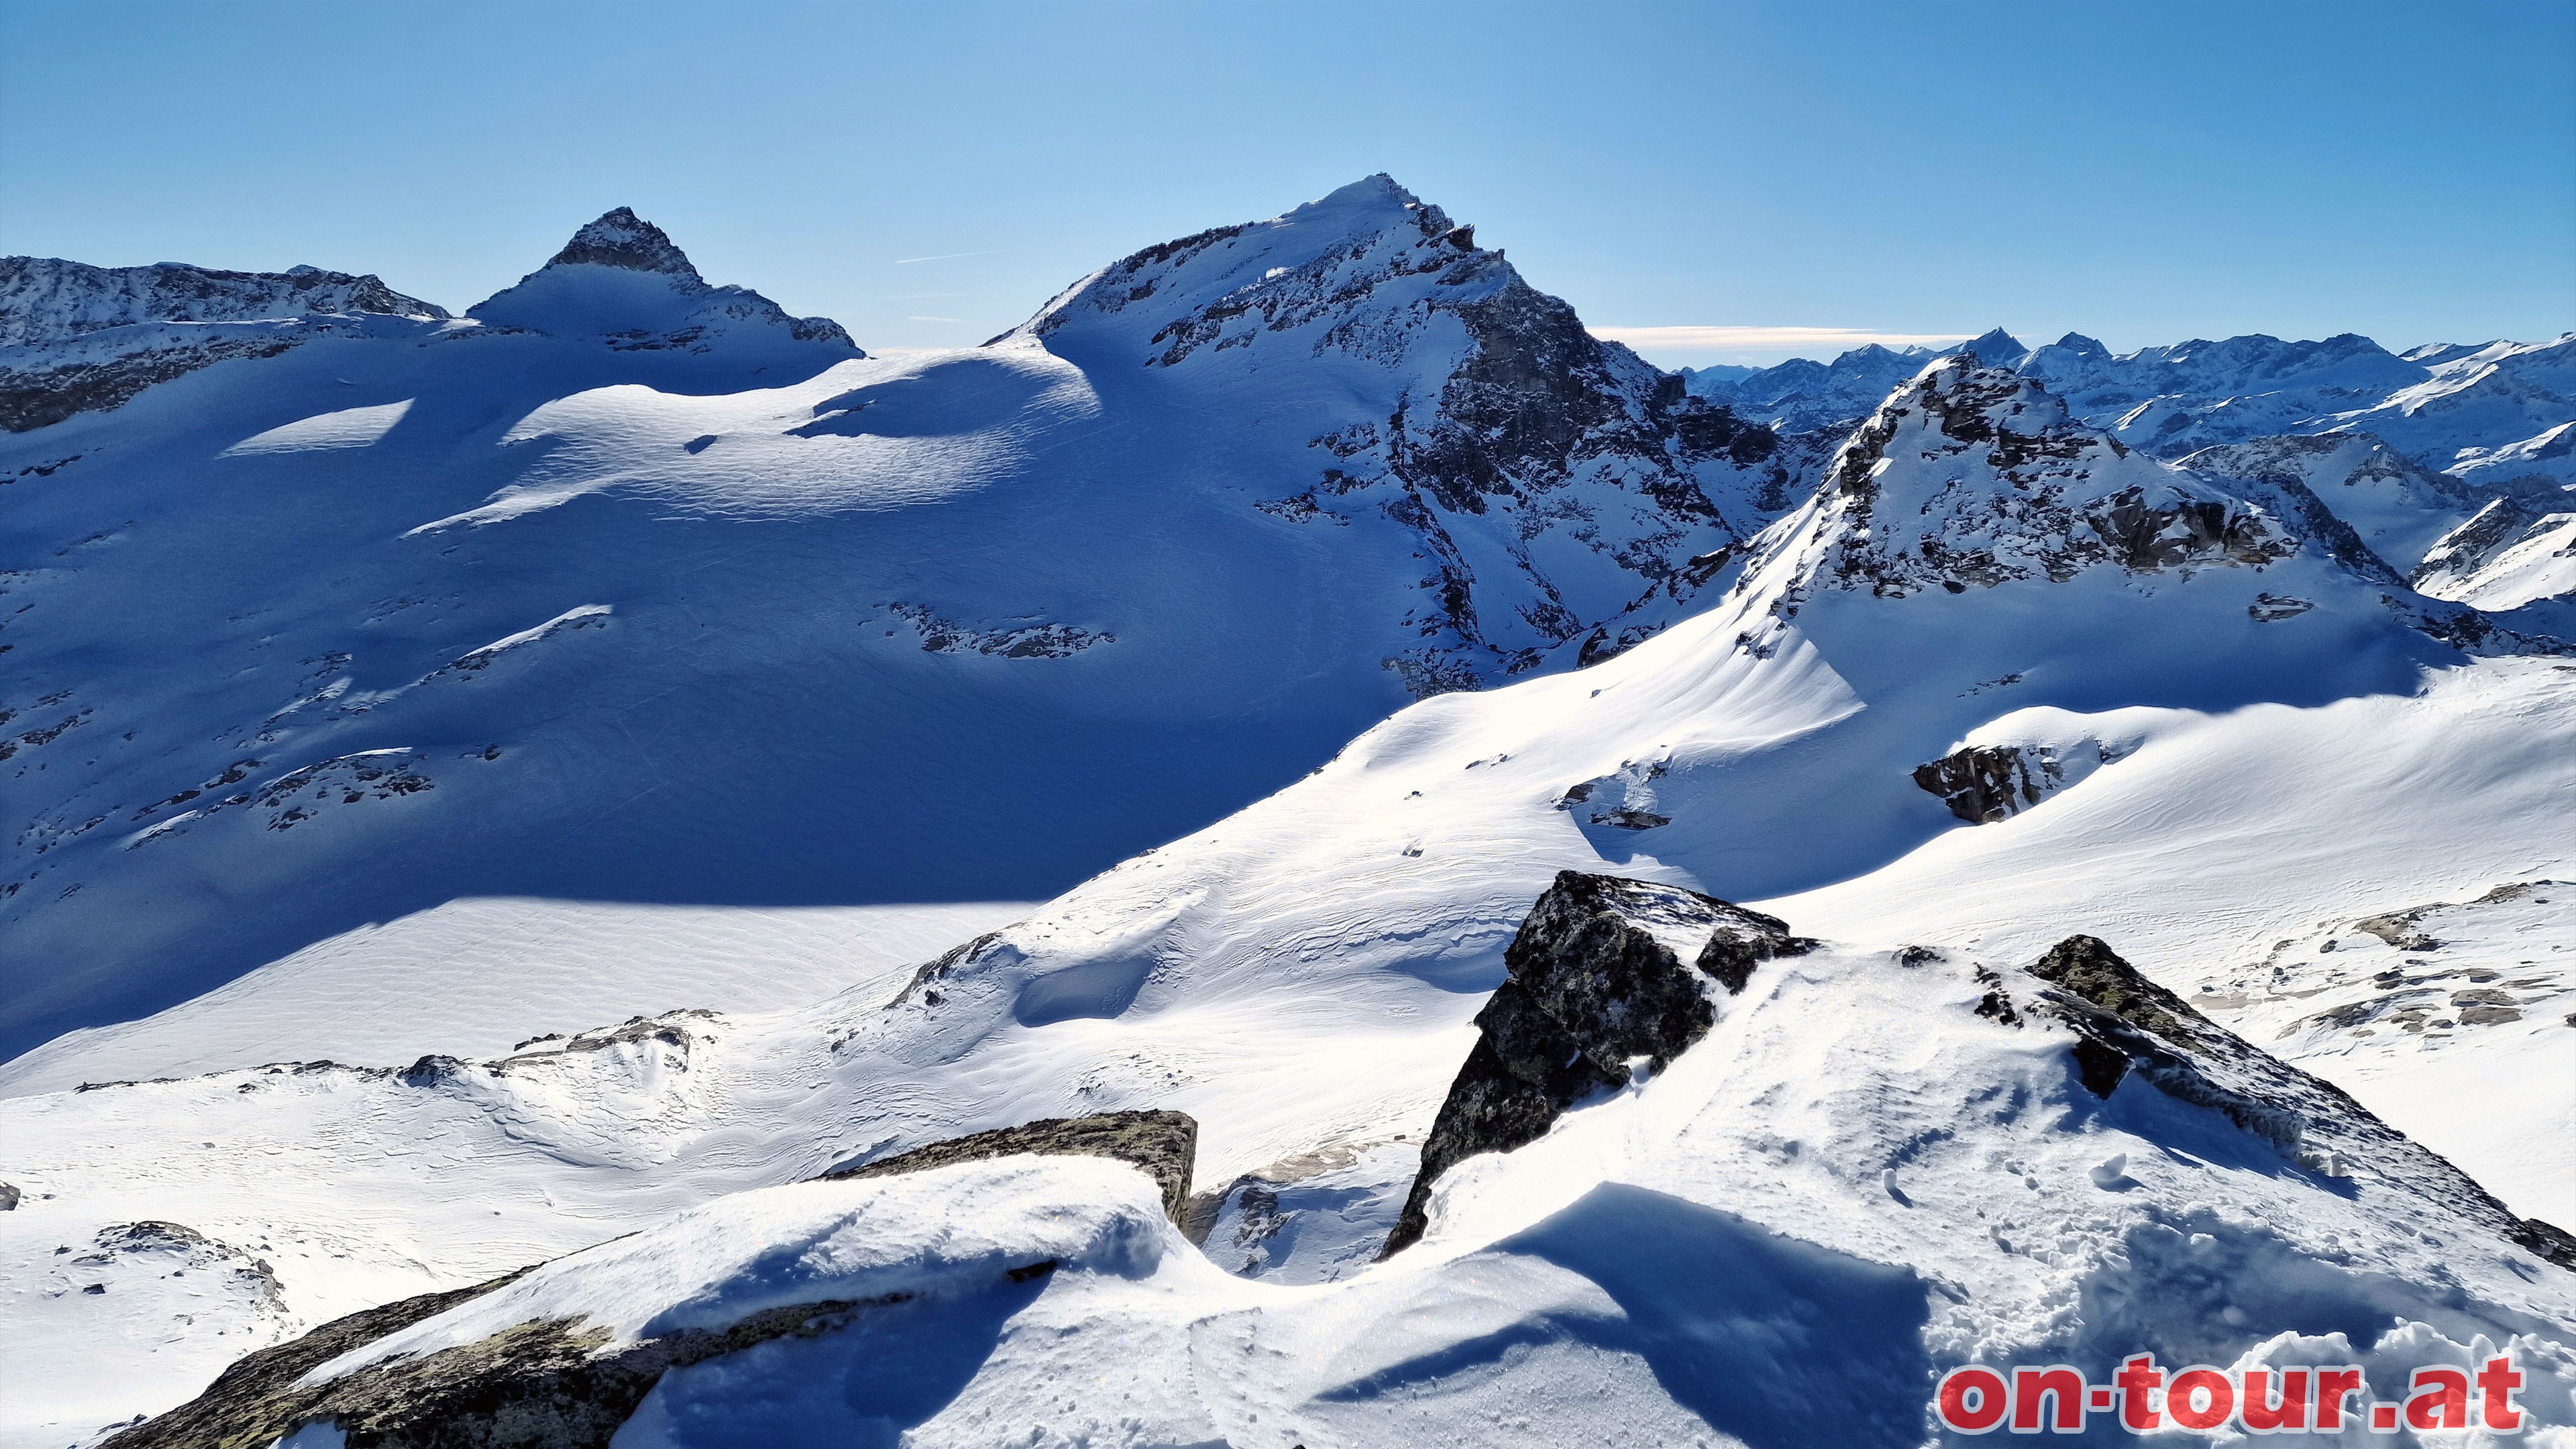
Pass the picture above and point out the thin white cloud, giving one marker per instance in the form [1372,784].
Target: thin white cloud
[955,320]
[943,257]
[1768,339]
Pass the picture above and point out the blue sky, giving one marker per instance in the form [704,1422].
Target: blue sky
[2142,173]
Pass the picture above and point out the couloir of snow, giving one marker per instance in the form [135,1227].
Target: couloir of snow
[634,589]
[1300,975]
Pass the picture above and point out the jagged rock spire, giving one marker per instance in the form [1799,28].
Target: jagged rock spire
[620,238]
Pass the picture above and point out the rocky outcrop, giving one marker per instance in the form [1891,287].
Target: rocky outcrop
[1594,981]
[1164,1144]
[2126,1025]
[562,1384]
[545,1385]
[1985,783]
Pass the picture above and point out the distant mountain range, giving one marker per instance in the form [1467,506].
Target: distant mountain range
[1294,851]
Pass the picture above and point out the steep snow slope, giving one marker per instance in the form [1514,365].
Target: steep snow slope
[2276,741]
[2507,556]
[636,589]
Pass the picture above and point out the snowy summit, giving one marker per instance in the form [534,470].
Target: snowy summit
[1294,851]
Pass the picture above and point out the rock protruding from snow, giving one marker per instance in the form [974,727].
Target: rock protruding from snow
[1985,783]
[1595,981]
[560,1355]
[623,280]
[256,1401]
[2127,1025]
[1164,1144]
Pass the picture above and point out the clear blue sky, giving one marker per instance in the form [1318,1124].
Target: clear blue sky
[2144,173]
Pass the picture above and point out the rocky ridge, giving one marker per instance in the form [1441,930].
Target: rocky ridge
[560,1383]
[76,338]
[1595,992]
[1503,419]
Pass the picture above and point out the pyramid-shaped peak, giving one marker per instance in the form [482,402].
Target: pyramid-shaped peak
[620,238]
[1997,348]
[2078,343]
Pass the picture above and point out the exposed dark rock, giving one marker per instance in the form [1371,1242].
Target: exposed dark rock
[622,239]
[1985,783]
[556,1384]
[925,981]
[35,397]
[1591,985]
[544,1385]
[1164,1144]
[8,1198]
[253,1403]
[2127,1025]
[2401,929]
[2089,968]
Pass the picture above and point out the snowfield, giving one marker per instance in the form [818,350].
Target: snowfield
[536,791]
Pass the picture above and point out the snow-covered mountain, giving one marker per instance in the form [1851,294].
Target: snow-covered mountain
[2143,897]
[76,338]
[626,588]
[1801,396]
[2494,415]
[2240,752]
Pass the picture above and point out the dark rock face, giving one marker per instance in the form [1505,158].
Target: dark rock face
[2127,1025]
[622,239]
[1985,783]
[1164,1144]
[8,1198]
[1592,983]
